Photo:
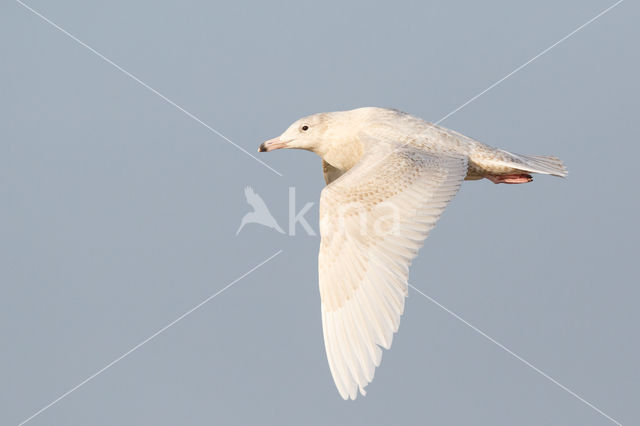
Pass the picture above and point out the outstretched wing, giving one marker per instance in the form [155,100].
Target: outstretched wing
[262,214]
[373,220]
[254,199]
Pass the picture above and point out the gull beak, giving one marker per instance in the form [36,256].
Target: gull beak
[272,144]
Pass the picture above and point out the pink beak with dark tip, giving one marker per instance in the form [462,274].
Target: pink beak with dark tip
[272,144]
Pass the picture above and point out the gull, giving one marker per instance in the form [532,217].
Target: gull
[389,177]
[260,213]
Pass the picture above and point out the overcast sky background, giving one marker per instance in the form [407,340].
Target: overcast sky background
[118,212]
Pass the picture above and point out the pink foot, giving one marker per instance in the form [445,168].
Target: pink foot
[522,178]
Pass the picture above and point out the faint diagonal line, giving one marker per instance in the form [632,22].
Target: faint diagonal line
[136,347]
[142,83]
[529,61]
[510,352]
[379,161]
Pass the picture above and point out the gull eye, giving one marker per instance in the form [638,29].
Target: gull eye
[304,128]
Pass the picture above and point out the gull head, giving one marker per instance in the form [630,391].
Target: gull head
[334,136]
[307,133]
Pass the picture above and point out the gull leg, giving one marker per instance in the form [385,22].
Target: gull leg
[515,178]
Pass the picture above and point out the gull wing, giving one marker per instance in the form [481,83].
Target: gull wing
[373,220]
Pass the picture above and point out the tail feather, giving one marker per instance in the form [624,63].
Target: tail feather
[543,164]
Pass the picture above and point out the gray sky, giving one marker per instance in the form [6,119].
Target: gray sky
[118,212]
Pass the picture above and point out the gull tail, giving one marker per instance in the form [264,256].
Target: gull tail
[546,165]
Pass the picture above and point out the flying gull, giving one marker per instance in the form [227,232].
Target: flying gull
[389,177]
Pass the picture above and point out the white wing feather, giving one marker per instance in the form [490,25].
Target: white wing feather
[373,220]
